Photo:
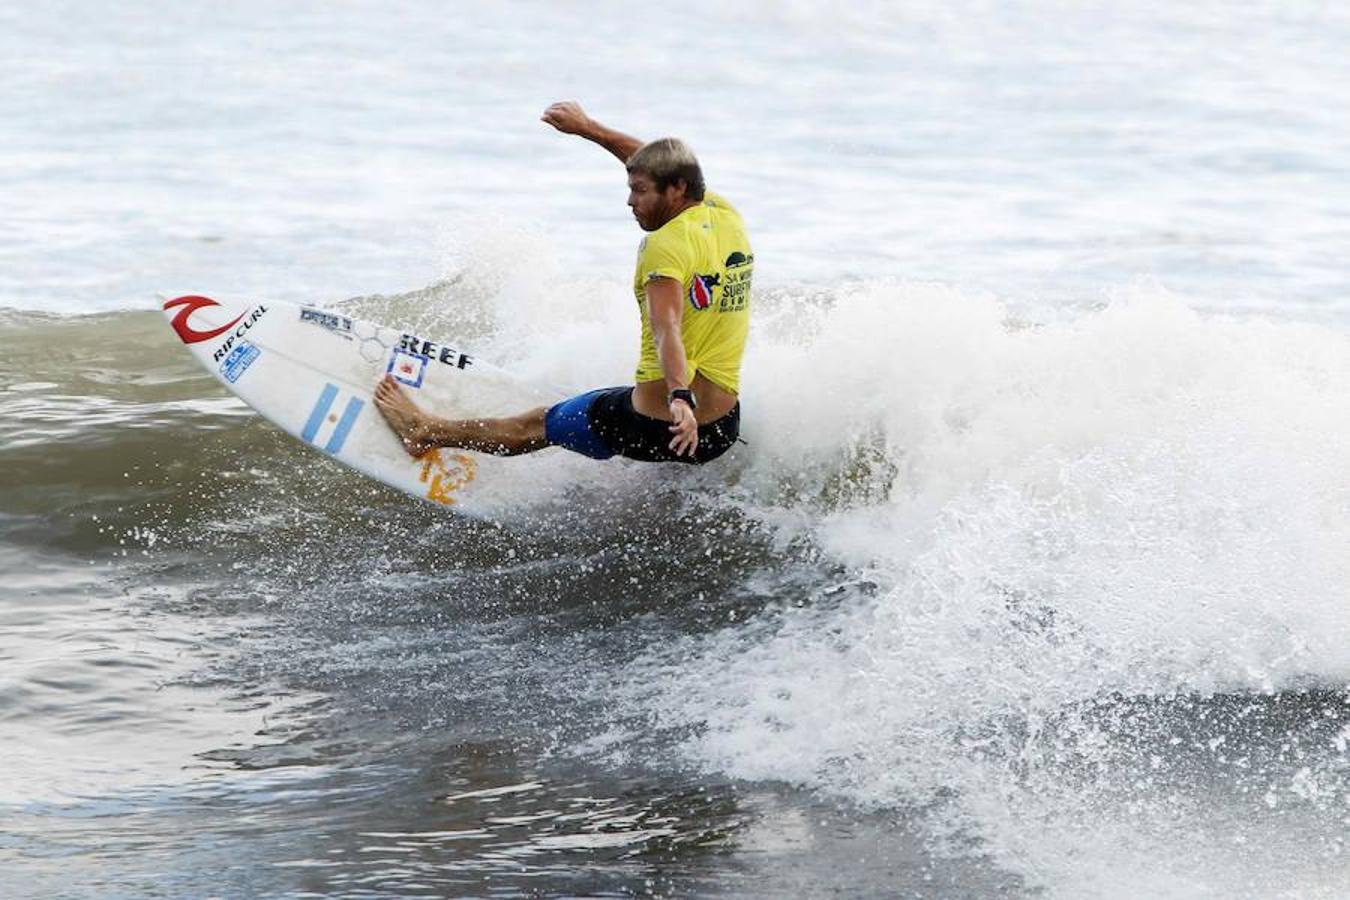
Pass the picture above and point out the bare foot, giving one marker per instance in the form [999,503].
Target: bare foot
[408,422]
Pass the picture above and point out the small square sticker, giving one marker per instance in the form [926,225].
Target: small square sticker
[408,368]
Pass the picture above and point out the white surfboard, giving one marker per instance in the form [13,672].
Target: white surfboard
[313,372]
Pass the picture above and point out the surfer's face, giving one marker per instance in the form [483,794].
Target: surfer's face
[653,208]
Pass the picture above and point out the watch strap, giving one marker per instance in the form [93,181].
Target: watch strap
[682,394]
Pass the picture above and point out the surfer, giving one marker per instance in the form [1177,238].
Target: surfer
[692,287]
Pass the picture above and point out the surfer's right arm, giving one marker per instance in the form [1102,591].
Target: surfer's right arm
[568,117]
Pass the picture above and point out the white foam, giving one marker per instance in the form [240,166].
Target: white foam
[1141,501]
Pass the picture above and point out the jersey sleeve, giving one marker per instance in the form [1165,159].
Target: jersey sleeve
[664,255]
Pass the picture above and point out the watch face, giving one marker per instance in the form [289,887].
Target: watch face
[683,394]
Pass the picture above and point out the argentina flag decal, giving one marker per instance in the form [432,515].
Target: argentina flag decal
[331,421]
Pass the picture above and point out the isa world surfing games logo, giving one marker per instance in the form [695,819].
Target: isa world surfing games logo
[701,290]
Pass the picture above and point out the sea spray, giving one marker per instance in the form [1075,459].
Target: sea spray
[1139,503]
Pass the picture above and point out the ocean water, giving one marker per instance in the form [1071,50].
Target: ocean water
[1031,580]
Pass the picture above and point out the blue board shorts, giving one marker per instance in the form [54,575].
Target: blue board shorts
[603,423]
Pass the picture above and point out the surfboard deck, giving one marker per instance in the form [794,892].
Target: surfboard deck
[312,372]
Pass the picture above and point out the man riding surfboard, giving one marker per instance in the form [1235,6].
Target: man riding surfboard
[692,286]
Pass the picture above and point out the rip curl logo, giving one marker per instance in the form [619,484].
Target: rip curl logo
[186,332]
[445,479]
[700,290]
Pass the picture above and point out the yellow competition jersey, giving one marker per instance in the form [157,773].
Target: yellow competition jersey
[705,248]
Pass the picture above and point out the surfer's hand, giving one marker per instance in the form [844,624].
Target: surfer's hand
[685,429]
[567,116]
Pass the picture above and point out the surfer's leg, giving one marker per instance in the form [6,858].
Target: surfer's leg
[510,436]
[420,431]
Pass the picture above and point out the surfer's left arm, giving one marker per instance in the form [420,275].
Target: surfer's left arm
[665,306]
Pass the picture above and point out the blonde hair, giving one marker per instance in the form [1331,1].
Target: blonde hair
[668,161]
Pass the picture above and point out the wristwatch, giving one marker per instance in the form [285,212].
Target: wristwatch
[682,394]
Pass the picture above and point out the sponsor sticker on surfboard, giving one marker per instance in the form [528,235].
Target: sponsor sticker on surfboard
[237,363]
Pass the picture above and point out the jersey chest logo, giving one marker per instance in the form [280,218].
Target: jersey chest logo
[700,290]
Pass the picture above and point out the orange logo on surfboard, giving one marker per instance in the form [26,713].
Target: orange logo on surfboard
[446,479]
